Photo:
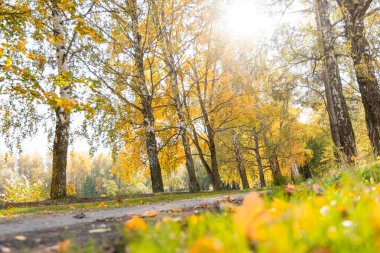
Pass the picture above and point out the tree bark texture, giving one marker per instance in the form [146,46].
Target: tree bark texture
[239,161]
[258,158]
[171,65]
[354,15]
[340,122]
[211,141]
[62,125]
[146,100]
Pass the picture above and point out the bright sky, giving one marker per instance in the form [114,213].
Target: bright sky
[247,19]
[255,19]
[241,19]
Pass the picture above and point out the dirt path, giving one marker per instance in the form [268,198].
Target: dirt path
[48,229]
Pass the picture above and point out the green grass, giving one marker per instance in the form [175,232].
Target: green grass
[337,214]
[111,204]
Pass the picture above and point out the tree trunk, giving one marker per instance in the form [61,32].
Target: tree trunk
[146,97]
[211,142]
[258,158]
[340,123]
[306,172]
[193,182]
[276,171]
[61,138]
[152,151]
[239,160]
[354,14]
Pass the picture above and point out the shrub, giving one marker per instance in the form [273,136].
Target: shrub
[110,187]
[22,190]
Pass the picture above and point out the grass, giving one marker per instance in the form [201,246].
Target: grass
[110,203]
[336,214]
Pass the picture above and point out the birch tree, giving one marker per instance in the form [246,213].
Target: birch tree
[340,123]
[354,14]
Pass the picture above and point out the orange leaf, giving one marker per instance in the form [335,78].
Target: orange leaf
[64,246]
[136,223]
[101,204]
[252,217]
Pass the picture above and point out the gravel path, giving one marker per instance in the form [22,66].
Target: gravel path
[40,222]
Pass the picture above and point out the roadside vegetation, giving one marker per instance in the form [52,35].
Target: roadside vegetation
[115,103]
[340,213]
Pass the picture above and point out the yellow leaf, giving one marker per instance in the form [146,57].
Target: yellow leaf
[136,223]
[7,63]
[102,204]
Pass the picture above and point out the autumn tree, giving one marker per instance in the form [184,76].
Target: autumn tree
[340,123]
[46,41]
[176,38]
[354,14]
[204,74]
[128,79]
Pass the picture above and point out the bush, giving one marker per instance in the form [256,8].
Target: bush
[111,188]
[22,190]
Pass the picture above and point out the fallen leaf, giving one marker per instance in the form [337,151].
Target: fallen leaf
[150,214]
[177,210]
[72,207]
[202,206]
[102,204]
[135,223]
[20,238]
[252,217]
[227,197]
[64,246]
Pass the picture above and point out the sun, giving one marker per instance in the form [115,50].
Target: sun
[245,19]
